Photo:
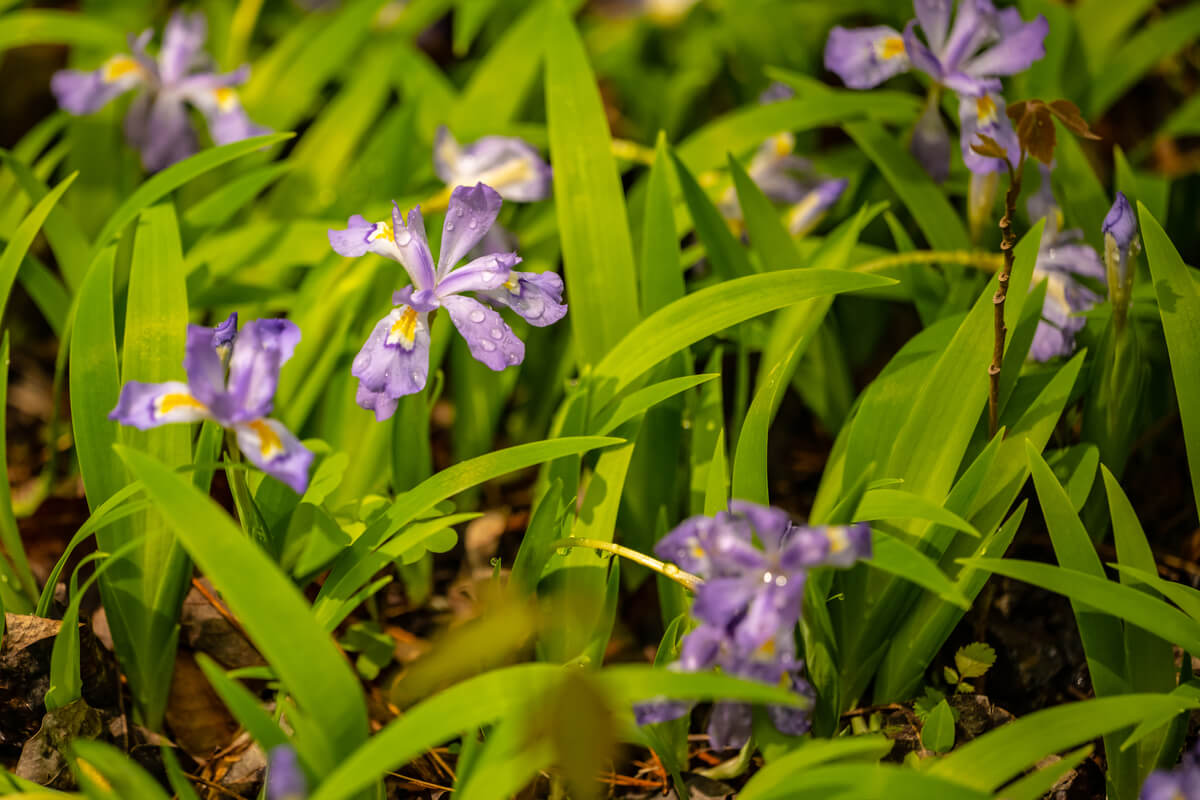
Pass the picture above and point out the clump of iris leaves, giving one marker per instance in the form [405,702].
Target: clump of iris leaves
[612,237]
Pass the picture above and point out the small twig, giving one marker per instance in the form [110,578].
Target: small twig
[421,783]
[685,579]
[216,787]
[215,603]
[1007,242]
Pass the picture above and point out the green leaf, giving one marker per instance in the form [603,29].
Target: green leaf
[974,660]
[880,504]
[726,253]
[1155,41]
[1103,596]
[705,312]
[1179,307]
[781,772]
[122,777]
[17,576]
[1037,784]
[596,247]
[272,610]
[66,239]
[989,761]
[937,734]
[770,239]
[23,236]
[222,204]
[924,199]
[163,183]
[905,561]
[244,706]
[23,28]
[635,403]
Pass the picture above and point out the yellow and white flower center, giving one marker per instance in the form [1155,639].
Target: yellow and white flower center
[889,47]
[269,443]
[404,330]
[169,402]
[226,98]
[985,110]
[118,67]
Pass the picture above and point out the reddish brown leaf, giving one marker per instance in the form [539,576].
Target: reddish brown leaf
[1070,116]
[989,147]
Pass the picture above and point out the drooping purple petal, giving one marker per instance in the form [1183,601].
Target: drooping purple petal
[230,123]
[663,710]
[183,37]
[148,405]
[394,360]
[775,607]
[159,127]
[701,648]
[80,92]
[360,237]
[285,779]
[413,247]
[865,57]
[804,547]
[848,543]
[730,725]
[491,341]
[536,296]
[469,214]
[719,601]
[270,446]
[930,143]
[974,24]
[689,545]
[378,402]
[794,720]
[483,274]
[922,57]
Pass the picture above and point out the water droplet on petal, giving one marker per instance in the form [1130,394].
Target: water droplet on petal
[403,238]
[496,333]
[487,275]
[513,358]
[486,345]
[449,226]
[458,212]
[473,224]
[476,316]
[418,378]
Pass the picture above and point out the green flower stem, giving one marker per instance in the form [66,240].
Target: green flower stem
[685,579]
[252,521]
[989,262]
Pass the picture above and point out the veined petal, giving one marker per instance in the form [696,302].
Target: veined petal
[270,446]
[688,545]
[394,360]
[148,405]
[865,57]
[471,211]
[974,24]
[719,601]
[804,547]
[775,606]
[413,247]
[730,725]
[1018,48]
[203,364]
[491,341]
[934,18]
[224,335]
[769,523]
[1120,222]
[536,296]
[80,92]
[261,349]
[383,406]
[159,127]
[227,119]
[480,275]
[701,648]
[183,37]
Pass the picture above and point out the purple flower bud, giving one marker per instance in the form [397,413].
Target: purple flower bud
[285,780]
[1120,223]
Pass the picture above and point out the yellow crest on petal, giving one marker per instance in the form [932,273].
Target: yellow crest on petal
[404,330]
[118,67]
[269,443]
[889,48]
[169,402]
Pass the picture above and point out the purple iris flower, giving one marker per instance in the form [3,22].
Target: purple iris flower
[967,57]
[750,592]
[395,359]
[157,123]
[787,178]
[774,663]
[1062,259]
[1181,783]
[285,780]
[509,165]
[231,379]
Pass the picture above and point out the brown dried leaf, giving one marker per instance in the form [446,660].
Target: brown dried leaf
[1016,110]
[198,719]
[1070,116]
[989,147]
[1036,133]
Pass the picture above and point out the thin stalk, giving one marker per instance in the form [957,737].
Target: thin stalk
[1008,241]
[241,28]
[252,521]
[685,579]
[989,262]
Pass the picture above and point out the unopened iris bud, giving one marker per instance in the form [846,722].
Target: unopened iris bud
[1121,245]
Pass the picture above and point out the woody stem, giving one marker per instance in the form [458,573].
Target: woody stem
[1008,240]
[685,579]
